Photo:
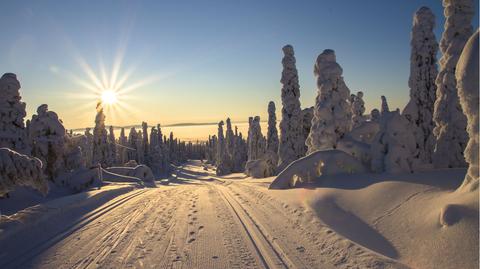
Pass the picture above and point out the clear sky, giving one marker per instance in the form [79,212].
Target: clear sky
[201,61]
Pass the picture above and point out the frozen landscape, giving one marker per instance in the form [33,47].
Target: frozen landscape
[326,186]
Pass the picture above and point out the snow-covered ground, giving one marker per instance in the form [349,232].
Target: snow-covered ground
[201,220]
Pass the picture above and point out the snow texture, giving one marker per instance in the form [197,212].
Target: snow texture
[467,82]
[331,115]
[316,164]
[393,148]
[13,134]
[450,130]
[20,170]
[292,144]
[142,172]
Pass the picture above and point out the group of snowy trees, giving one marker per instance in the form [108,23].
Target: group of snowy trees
[430,132]
[227,150]
[41,149]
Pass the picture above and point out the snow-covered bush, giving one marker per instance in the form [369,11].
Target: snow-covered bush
[331,115]
[393,148]
[292,144]
[101,148]
[375,115]
[48,138]
[73,155]
[450,122]
[13,134]
[358,108]
[365,132]
[20,170]
[467,82]
[316,164]
[423,72]
[258,168]
[142,172]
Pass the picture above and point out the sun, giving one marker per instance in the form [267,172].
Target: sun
[109,97]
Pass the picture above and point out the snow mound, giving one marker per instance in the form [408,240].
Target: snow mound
[257,168]
[319,163]
[142,172]
[20,170]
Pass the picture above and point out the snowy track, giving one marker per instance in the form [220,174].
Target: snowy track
[199,221]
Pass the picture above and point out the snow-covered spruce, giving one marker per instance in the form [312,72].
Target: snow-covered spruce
[87,148]
[20,170]
[13,134]
[450,122]
[394,147]
[73,154]
[140,149]
[358,108]
[112,143]
[48,137]
[384,108]
[423,72]
[145,142]
[122,150]
[132,144]
[307,116]
[331,115]
[221,156]
[101,147]
[256,145]
[467,82]
[271,156]
[291,145]
[229,139]
[240,152]
[155,153]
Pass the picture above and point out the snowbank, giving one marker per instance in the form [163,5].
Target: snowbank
[319,163]
[20,170]
[142,172]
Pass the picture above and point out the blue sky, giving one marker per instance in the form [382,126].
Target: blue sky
[209,59]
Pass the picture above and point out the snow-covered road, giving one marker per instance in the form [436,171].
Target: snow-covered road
[199,221]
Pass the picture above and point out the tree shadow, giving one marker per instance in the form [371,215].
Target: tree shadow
[353,228]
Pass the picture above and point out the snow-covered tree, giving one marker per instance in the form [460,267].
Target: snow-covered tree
[20,170]
[358,108]
[229,138]
[307,116]
[155,156]
[101,148]
[256,144]
[140,149]
[385,108]
[240,152]
[291,145]
[12,113]
[145,141]
[375,115]
[467,77]
[331,115]
[122,151]
[132,144]
[222,164]
[272,133]
[271,156]
[87,148]
[450,122]
[423,71]
[48,137]
[393,147]
[113,147]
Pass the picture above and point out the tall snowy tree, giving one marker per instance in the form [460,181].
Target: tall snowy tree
[132,144]
[221,155]
[423,71]
[140,149]
[385,108]
[331,115]
[450,122]
[291,145]
[123,141]
[467,77]
[87,150]
[307,116]
[48,137]
[256,143]
[145,141]
[101,149]
[271,156]
[229,139]
[13,134]
[113,146]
